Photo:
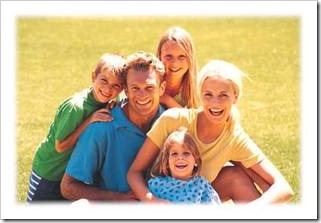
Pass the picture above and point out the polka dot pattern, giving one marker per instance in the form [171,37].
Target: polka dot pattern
[194,190]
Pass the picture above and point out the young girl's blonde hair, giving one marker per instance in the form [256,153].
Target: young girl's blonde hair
[184,40]
[182,137]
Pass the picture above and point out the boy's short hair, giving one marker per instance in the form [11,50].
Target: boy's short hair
[111,62]
[142,61]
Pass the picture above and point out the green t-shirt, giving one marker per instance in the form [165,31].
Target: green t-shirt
[48,163]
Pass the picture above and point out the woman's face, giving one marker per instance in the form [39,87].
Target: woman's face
[217,96]
[174,59]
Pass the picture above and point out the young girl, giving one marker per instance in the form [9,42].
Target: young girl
[72,117]
[176,172]
[176,50]
[220,139]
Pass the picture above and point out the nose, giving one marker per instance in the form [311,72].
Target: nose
[180,156]
[215,101]
[107,88]
[175,61]
[142,93]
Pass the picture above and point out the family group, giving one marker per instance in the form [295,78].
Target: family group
[175,136]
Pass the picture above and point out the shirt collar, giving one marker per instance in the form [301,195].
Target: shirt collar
[120,120]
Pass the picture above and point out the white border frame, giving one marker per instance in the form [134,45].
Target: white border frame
[307,10]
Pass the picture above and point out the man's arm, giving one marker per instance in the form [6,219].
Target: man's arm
[73,189]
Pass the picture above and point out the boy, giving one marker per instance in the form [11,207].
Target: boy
[72,117]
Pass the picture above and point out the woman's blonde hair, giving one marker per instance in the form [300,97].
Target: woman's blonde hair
[225,70]
[182,137]
[184,40]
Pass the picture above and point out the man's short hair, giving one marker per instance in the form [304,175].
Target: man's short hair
[142,61]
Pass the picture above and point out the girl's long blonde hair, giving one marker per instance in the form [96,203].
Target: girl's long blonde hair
[179,136]
[184,40]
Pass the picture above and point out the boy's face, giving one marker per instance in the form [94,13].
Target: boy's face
[143,91]
[106,86]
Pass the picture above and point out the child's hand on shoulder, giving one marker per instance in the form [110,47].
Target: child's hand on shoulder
[102,114]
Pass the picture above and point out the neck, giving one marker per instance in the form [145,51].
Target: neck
[141,121]
[173,87]
[208,132]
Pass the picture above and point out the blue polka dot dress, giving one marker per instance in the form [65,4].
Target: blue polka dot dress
[194,190]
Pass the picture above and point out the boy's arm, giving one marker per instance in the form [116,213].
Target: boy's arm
[73,189]
[70,141]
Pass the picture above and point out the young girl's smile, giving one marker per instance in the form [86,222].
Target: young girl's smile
[174,59]
[181,162]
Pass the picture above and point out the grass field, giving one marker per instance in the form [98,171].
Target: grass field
[56,55]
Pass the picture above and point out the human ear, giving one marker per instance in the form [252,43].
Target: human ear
[125,90]
[162,88]
[235,99]
[93,76]
[236,96]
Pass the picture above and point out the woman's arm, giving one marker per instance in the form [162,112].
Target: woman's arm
[73,189]
[259,181]
[135,177]
[279,191]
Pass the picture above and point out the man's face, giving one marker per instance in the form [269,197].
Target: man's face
[143,91]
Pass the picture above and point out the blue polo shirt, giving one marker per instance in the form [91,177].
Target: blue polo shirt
[105,151]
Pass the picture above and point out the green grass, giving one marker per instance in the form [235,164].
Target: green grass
[56,55]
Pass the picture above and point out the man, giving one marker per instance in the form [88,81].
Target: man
[98,166]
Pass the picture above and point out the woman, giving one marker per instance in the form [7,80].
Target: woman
[220,138]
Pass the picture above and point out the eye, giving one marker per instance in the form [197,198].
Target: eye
[150,88]
[168,57]
[223,95]
[116,87]
[134,88]
[104,81]
[208,95]
[187,154]
[182,57]
[173,154]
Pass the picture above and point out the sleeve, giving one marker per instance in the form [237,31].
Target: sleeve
[88,155]
[68,118]
[246,150]
[164,125]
